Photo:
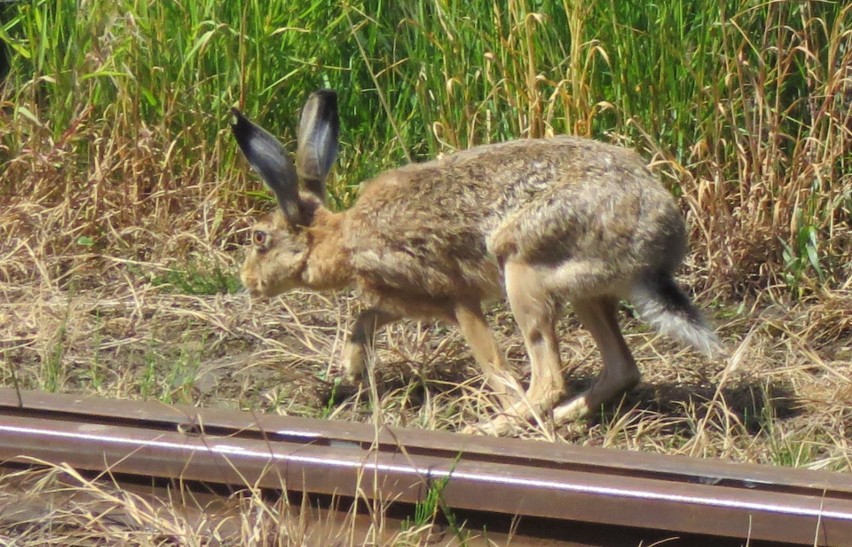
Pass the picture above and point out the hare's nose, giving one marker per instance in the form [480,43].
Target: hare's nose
[252,284]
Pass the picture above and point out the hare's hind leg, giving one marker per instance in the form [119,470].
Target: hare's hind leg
[535,312]
[599,316]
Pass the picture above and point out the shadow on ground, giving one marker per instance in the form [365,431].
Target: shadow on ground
[752,403]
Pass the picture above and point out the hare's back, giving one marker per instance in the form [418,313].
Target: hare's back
[490,181]
[483,188]
[439,222]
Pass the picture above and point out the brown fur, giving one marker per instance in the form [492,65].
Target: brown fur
[539,222]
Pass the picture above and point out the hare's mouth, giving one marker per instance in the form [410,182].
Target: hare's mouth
[261,290]
[255,288]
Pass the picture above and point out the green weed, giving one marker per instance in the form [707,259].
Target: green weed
[426,510]
[181,374]
[95,376]
[52,367]
[53,361]
[147,384]
[197,280]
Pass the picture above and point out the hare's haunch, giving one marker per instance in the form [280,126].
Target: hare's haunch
[539,222]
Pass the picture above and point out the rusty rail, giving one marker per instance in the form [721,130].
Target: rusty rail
[503,476]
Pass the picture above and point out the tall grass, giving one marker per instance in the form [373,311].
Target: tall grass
[114,113]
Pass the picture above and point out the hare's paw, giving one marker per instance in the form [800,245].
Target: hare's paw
[510,421]
[574,409]
[353,363]
[498,426]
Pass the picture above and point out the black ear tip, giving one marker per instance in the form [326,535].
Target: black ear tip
[241,127]
[240,121]
[326,100]
[326,94]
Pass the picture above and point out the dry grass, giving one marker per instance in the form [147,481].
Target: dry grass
[55,505]
[95,323]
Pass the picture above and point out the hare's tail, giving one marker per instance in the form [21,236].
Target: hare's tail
[661,303]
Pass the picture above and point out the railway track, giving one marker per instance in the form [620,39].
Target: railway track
[542,491]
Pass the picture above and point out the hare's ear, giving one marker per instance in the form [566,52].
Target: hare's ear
[319,130]
[266,156]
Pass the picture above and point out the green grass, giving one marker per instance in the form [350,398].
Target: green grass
[53,366]
[95,376]
[121,107]
[147,382]
[428,509]
[169,372]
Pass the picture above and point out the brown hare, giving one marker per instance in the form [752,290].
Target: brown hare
[537,221]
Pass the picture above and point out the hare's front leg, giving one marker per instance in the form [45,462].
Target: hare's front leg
[360,342]
[487,353]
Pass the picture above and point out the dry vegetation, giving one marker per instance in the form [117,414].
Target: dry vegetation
[783,399]
[55,505]
[123,211]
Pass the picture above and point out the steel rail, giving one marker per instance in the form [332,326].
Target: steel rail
[505,476]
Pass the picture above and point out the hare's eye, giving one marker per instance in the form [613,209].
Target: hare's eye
[259,238]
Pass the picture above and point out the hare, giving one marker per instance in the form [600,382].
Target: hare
[539,222]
